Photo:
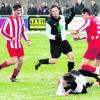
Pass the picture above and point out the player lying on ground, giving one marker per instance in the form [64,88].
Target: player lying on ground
[74,82]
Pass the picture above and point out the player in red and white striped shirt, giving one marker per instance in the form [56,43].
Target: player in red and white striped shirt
[92,27]
[14,29]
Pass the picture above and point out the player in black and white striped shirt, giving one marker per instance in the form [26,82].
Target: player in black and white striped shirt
[55,30]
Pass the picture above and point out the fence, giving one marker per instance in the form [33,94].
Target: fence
[38,22]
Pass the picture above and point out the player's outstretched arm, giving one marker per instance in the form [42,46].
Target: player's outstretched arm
[79,37]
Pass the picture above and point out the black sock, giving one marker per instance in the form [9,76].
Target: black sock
[44,61]
[88,73]
[70,66]
[89,84]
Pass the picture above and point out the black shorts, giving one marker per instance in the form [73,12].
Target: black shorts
[57,48]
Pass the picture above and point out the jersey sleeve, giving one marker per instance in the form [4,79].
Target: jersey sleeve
[48,32]
[4,28]
[24,35]
[84,26]
[70,16]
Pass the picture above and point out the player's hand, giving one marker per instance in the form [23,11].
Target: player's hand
[66,93]
[77,38]
[28,42]
[13,39]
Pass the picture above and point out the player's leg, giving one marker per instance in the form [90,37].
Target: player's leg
[12,61]
[7,63]
[67,49]
[97,63]
[55,54]
[85,62]
[45,61]
[70,61]
[89,84]
[17,68]
[85,65]
[89,56]
[89,74]
[40,62]
[20,59]
[97,59]
[91,68]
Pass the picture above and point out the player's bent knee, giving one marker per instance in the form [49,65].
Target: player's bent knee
[21,61]
[13,62]
[71,58]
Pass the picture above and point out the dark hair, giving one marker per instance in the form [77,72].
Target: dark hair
[87,10]
[16,6]
[53,6]
[68,77]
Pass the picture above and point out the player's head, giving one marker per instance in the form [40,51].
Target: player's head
[68,77]
[86,12]
[17,9]
[54,11]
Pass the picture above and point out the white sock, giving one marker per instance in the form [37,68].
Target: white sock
[97,70]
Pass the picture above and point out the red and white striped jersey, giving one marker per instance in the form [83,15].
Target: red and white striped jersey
[92,27]
[14,27]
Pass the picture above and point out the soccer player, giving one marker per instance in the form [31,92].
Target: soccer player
[14,29]
[75,82]
[96,62]
[92,27]
[55,29]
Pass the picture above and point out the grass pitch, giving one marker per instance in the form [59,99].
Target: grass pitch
[40,84]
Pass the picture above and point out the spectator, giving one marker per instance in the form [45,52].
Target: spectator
[78,7]
[32,10]
[94,7]
[43,10]
[2,9]
[8,9]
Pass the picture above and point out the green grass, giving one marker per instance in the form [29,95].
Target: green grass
[40,84]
